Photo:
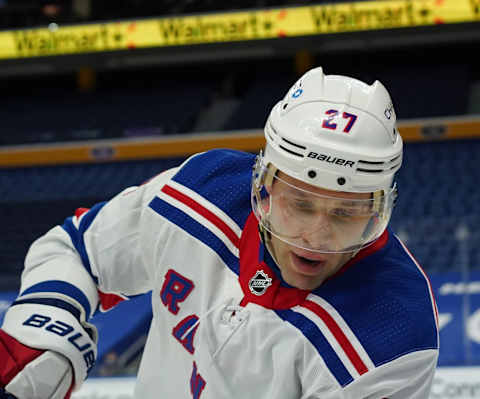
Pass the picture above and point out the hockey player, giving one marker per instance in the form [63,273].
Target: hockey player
[286,285]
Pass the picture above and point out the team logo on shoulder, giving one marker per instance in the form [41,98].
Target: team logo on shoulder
[259,283]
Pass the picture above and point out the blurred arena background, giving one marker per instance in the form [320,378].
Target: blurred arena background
[96,96]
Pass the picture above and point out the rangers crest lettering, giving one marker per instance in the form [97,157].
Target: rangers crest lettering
[259,283]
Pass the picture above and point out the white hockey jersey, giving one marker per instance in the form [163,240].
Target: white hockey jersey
[225,324]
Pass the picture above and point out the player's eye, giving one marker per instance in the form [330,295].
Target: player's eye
[350,214]
[342,212]
[303,206]
[302,203]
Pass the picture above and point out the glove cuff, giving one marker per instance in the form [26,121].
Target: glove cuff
[52,328]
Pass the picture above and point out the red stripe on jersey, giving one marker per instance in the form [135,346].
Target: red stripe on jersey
[109,301]
[80,211]
[207,214]
[338,334]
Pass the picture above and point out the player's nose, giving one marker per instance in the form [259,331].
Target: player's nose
[318,233]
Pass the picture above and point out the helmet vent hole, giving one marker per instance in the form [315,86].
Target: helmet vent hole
[312,174]
[285,106]
[341,181]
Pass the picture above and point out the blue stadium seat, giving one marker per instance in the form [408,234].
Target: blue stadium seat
[260,97]
[58,115]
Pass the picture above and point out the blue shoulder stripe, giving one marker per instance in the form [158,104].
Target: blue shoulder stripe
[196,230]
[61,287]
[77,235]
[314,335]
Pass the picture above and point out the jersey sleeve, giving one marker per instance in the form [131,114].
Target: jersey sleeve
[408,376]
[99,256]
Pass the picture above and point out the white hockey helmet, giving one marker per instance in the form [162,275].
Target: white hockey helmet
[335,133]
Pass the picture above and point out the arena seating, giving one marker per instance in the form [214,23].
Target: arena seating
[435,214]
[436,208]
[63,115]
[152,104]
[260,96]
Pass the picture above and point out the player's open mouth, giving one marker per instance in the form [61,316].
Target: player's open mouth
[306,264]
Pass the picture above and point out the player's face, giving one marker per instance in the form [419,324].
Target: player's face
[312,222]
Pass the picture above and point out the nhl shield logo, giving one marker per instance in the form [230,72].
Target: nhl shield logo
[259,283]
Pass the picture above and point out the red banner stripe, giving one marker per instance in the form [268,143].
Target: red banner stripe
[338,334]
[207,214]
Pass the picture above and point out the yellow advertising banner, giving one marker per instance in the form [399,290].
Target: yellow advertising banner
[235,26]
